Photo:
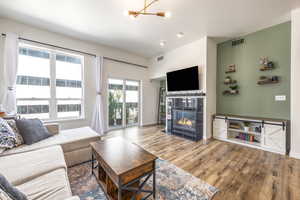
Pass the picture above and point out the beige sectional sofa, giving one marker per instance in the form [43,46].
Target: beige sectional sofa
[40,170]
[75,143]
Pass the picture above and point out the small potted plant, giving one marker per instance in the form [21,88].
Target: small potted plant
[247,126]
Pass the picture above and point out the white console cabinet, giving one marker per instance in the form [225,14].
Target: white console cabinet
[266,134]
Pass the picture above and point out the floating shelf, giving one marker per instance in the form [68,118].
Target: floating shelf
[230,71]
[231,82]
[266,68]
[266,82]
[227,92]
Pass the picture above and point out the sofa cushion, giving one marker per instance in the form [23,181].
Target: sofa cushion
[23,167]
[13,126]
[70,140]
[7,135]
[51,186]
[10,190]
[32,130]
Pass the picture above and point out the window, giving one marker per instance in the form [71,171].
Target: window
[49,84]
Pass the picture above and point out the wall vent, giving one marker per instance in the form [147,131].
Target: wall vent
[237,42]
[160,58]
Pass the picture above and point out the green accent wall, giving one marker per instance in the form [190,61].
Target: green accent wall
[253,99]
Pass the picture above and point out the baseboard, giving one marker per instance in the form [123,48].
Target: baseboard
[295,155]
[149,124]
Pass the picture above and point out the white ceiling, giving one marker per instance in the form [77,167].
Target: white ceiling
[102,21]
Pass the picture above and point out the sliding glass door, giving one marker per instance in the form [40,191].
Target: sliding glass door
[123,103]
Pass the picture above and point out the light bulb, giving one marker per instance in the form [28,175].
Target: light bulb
[168,14]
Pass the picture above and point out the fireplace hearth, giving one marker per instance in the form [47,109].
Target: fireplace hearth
[185,117]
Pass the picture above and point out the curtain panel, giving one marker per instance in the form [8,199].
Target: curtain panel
[10,58]
[98,114]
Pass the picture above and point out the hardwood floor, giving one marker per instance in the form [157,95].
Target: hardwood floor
[238,172]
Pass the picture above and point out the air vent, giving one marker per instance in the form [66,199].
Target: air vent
[237,42]
[160,58]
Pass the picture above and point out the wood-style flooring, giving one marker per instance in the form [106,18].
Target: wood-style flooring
[238,172]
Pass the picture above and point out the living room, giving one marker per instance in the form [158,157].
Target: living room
[149,100]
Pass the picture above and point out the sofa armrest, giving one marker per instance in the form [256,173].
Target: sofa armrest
[73,198]
[53,128]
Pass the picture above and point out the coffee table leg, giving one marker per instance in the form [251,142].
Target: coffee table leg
[92,163]
[154,184]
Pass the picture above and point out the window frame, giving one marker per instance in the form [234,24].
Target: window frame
[124,125]
[53,110]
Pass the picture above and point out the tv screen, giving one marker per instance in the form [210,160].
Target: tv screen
[183,80]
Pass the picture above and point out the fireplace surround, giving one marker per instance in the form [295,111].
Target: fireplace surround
[185,116]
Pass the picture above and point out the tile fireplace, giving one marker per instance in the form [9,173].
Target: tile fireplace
[185,116]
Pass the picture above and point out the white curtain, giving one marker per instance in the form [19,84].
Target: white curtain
[98,116]
[11,49]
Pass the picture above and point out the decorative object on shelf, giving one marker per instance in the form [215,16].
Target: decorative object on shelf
[230,92]
[263,80]
[233,90]
[144,11]
[231,69]
[229,81]
[247,126]
[266,64]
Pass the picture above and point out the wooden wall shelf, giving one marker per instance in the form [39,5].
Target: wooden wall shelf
[230,71]
[227,92]
[266,68]
[231,82]
[267,82]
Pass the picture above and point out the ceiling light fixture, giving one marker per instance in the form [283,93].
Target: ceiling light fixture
[180,34]
[143,11]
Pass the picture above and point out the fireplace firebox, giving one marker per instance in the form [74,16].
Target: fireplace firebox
[185,117]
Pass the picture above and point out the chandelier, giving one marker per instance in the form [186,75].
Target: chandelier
[135,14]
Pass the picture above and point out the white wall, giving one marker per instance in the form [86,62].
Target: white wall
[189,55]
[110,68]
[210,83]
[149,90]
[295,82]
[202,53]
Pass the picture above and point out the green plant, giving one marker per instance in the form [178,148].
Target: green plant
[114,105]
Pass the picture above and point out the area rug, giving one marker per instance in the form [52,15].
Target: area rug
[172,183]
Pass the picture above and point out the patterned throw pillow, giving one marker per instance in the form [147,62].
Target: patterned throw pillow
[7,135]
[13,126]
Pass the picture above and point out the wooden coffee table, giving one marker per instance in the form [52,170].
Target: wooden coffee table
[123,169]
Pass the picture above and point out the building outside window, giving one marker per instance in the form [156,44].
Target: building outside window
[49,84]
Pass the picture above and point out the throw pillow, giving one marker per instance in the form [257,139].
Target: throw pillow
[13,126]
[4,195]
[7,135]
[32,130]
[12,192]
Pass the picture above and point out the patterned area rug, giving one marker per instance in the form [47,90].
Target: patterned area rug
[173,183]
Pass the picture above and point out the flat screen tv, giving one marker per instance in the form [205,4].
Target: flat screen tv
[183,80]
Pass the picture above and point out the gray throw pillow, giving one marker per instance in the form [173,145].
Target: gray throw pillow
[11,191]
[32,130]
